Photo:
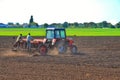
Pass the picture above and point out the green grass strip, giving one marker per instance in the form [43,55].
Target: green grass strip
[69,31]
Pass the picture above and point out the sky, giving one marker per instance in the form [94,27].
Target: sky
[59,11]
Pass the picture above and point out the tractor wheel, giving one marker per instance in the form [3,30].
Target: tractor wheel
[62,49]
[43,50]
[73,49]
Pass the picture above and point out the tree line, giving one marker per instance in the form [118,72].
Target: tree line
[33,24]
[103,24]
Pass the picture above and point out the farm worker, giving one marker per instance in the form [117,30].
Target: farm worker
[29,38]
[18,41]
[19,38]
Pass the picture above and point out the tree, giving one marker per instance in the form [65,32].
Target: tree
[85,24]
[65,24]
[31,19]
[92,25]
[32,23]
[17,25]
[81,25]
[117,25]
[76,24]
[110,25]
[11,24]
[104,24]
[45,25]
[99,25]
[54,24]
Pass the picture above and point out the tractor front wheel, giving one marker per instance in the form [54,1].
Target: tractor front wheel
[62,49]
[43,50]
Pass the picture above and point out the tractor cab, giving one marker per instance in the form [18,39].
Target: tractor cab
[55,33]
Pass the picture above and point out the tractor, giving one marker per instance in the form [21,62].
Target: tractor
[56,38]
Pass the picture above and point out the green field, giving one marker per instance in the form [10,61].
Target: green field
[70,31]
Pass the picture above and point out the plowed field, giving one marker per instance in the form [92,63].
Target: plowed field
[98,58]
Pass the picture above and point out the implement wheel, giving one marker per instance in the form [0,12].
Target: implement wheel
[43,50]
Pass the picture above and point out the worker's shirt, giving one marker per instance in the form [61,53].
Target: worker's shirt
[29,38]
[19,38]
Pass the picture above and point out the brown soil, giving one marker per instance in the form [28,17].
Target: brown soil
[98,59]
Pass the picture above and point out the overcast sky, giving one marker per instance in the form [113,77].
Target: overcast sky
[59,11]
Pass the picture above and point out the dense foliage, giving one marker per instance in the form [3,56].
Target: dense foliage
[65,24]
[33,24]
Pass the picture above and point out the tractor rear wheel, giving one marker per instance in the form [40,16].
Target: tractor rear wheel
[43,50]
[73,49]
